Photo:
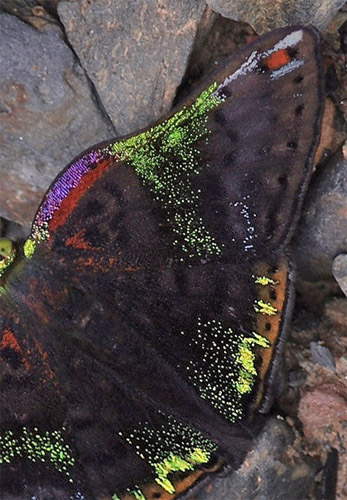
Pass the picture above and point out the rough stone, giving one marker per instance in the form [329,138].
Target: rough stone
[216,39]
[283,12]
[321,233]
[322,355]
[48,114]
[35,12]
[340,271]
[267,473]
[135,52]
[336,311]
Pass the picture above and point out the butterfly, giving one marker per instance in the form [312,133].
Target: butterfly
[143,320]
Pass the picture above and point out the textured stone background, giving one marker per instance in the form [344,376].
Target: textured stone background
[73,73]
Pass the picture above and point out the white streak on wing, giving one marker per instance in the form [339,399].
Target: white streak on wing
[288,68]
[288,41]
[246,67]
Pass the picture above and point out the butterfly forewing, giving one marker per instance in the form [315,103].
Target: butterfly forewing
[148,315]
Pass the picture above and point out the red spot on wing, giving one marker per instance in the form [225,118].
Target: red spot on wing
[277,60]
[71,201]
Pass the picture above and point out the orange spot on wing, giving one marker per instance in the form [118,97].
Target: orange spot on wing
[9,340]
[70,202]
[77,241]
[277,60]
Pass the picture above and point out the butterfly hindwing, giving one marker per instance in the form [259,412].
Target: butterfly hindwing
[142,331]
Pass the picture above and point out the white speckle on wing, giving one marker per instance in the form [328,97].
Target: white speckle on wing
[288,41]
[245,68]
[288,68]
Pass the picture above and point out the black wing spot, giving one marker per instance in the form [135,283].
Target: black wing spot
[292,145]
[229,158]
[233,135]
[93,207]
[299,109]
[92,236]
[95,238]
[156,495]
[13,358]
[224,92]
[283,180]
[274,118]
[114,191]
[298,79]
[219,117]
[292,52]
[273,295]
[268,326]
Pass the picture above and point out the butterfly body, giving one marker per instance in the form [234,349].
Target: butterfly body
[142,329]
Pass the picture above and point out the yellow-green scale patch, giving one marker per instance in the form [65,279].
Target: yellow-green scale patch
[166,159]
[137,494]
[265,308]
[7,254]
[245,359]
[264,281]
[38,234]
[37,446]
[172,447]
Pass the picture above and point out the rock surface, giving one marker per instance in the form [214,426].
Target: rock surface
[321,234]
[340,271]
[48,114]
[134,52]
[267,472]
[266,15]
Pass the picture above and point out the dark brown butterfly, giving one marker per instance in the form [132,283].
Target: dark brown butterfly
[143,321]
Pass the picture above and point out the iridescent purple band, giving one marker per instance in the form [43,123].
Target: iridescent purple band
[61,188]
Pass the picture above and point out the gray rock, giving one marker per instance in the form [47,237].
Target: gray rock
[47,114]
[340,271]
[265,15]
[321,233]
[265,473]
[134,51]
[322,356]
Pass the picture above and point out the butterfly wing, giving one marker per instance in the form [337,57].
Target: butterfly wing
[155,289]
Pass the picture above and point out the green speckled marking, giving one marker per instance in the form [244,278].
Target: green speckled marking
[215,370]
[7,254]
[171,448]
[38,235]
[246,359]
[115,497]
[224,370]
[265,308]
[174,463]
[35,446]
[264,280]
[29,248]
[137,494]
[166,159]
